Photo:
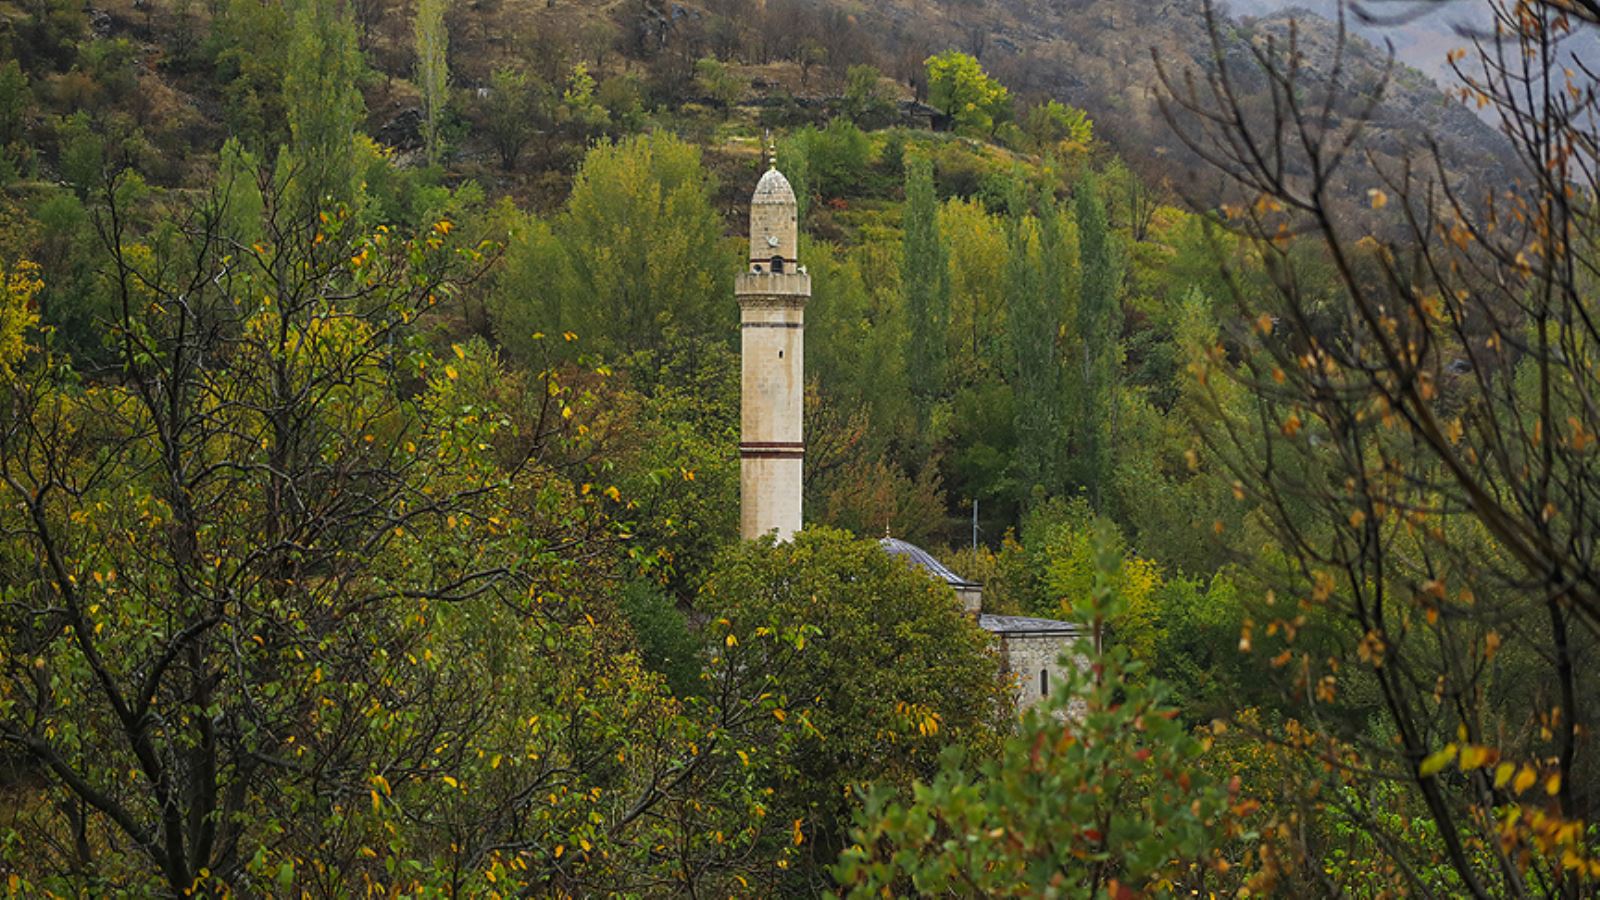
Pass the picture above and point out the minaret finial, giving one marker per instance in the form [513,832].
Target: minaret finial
[772,151]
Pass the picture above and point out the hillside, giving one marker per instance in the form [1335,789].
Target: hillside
[787,59]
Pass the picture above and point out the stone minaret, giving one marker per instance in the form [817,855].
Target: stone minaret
[772,303]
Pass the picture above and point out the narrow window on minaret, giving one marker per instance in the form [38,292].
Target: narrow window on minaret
[780,354]
[1044,682]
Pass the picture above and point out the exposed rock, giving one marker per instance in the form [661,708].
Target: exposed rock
[404,131]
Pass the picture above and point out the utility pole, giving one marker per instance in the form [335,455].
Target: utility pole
[974,527]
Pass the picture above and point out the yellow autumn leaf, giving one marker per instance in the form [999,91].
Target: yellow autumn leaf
[450,372]
[1502,774]
[451,781]
[1552,785]
[1436,761]
[1476,757]
[1378,198]
[1525,779]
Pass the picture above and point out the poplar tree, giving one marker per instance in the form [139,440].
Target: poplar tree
[1033,356]
[433,69]
[1097,309]
[323,105]
[925,272]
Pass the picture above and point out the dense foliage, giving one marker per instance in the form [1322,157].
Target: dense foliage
[369,405]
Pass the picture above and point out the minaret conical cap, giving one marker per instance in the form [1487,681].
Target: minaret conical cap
[774,188]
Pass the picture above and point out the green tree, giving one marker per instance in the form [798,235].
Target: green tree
[580,112]
[717,83]
[636,252]
[312,619]
[925,279]
[1052,124]
[865,102]
[1035,370]
[1099,315]
[978,315]
[248,46]
[323,105]
[512,112]
[15,100]
[433,69]
[832,161]
[959,88]
[1101,794]
[888,671]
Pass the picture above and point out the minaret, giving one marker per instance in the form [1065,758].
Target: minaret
[772,304]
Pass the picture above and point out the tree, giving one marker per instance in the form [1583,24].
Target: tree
[636,252]
[883,672]
[579,112]
[1099,314]
[1100,794]
[864,101]
[291,603]
[18,314]
[1417,443]
[15,99]
[978,314]
[323,105]
[1053,124]
[1035,365]
[959,88]
[511,113]
[433,70]
[925,276]
[719,85]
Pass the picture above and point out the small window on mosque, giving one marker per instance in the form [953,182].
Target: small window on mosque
[780,354]
[1044,682]
[777,265]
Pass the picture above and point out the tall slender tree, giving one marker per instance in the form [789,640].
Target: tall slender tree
[1098,352]
[1034,365]
[433,69]
[925,271]
[323,105]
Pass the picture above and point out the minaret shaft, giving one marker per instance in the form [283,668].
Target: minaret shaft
[772,300]
[771,434]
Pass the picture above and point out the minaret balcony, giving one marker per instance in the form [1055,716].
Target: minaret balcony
[773,284]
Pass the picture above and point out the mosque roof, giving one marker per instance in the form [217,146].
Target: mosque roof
[773,188]
[925,561]
[1025,625]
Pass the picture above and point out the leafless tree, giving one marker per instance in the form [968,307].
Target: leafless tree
[1410,407]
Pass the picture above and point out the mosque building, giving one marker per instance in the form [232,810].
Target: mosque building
[772,296]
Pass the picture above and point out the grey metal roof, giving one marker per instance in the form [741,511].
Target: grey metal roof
[1025,625]
[924,560]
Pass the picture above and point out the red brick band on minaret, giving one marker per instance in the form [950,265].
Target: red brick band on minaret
[772,450]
